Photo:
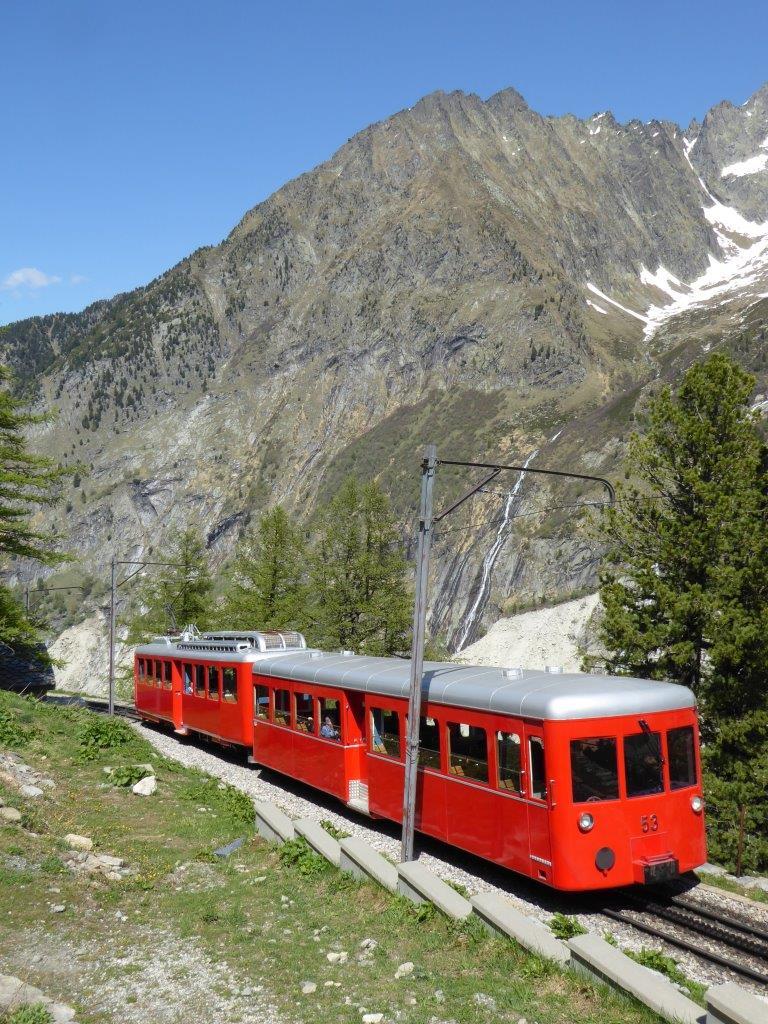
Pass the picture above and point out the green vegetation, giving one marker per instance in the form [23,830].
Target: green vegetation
[719,882]
[28,483]
[32,1013]
[564,927]
[267,581]
[257,922]
[685,585]
[358,575]
[655,960]
[172,596]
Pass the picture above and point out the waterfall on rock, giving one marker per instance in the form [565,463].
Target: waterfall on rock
[490,559]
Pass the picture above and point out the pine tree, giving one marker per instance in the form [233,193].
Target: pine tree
[685,585]
[176,595]
[267,588]
[28,483]
[358,574]
[685,580]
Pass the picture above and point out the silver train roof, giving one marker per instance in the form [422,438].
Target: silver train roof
[526,693]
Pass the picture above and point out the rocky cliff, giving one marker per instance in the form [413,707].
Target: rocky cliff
[467,271]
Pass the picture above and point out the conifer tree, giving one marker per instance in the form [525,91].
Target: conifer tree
[358,574]
[685,586]
[685,580]
[267,588]
[28,483]
[173,596]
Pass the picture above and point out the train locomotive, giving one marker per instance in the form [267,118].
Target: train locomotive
[581,782]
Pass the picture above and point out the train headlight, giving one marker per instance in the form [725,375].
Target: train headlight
[586,821]
[697,804]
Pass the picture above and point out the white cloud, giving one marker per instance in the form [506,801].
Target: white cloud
[77,279]
[28,277]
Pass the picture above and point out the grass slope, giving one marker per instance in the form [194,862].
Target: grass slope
[191,937]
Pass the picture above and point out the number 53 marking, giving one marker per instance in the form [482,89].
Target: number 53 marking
[649,823]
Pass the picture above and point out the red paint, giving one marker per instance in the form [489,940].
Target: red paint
[536,836]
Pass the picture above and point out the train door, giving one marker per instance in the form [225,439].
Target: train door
[538,803]
[176,705]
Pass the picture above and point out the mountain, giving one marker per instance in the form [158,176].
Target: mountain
[467,272]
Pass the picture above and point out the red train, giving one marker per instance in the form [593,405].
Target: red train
[579,781]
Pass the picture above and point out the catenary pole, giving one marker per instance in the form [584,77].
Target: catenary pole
[428,467]
[112,603]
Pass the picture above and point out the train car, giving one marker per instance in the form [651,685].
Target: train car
[581,782]
[202,684]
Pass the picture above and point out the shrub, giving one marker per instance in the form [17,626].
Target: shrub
[657,961]
[564,927]
[12,732]
[297,853]
[337,833]
[102,734]
[128,775]
[31,1013]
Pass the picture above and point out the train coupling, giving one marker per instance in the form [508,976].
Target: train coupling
[655,870]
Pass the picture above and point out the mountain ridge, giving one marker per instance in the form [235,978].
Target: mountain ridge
[467,270]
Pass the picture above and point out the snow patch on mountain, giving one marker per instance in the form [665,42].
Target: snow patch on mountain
[742,168]
[631,312]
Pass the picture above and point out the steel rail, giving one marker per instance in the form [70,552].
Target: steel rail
[721,927]
[691,947]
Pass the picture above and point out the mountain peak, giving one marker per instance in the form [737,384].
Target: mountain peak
[507,99]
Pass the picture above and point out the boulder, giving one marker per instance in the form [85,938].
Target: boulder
[76,842]
[146,787]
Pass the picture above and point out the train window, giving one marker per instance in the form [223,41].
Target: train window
[330,718]
[429,743]
[468,751]
[594,770]
[682,757]
[229,685]
[199,680]
[385,732]
[282,707]
[167,675]
[305,719]
[538,767]
[642,763]
[187,672]
[157,674]
[142,669]
[508,749]
[261,702]
[213,683]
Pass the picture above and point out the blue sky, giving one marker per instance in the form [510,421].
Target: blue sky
[134,132]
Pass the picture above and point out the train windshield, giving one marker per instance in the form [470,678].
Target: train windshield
[594,770]
[682,758]
[642,763]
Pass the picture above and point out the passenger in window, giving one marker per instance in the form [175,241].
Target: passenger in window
[328,729]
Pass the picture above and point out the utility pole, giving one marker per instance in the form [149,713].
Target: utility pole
[428,467]
[427,520]
[112,603]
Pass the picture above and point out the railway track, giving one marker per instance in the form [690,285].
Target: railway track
[741,946]
[691,923]
[93,704]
